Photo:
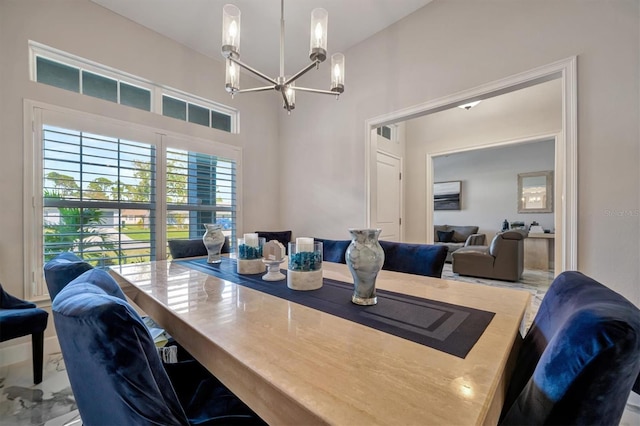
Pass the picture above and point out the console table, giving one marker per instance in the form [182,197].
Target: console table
[538,251]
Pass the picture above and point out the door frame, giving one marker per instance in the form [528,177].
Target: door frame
[566,148]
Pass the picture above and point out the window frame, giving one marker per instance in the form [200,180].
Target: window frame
[37,113]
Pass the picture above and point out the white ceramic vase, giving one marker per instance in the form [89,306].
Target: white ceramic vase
[213,240]
[364,258]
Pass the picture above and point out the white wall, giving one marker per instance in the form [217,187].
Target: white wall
[453,45]
[490,185]
[92,32]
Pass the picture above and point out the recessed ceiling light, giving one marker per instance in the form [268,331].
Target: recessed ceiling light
[469,105]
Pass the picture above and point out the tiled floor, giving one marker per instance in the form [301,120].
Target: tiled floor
[535,282]
[51,403]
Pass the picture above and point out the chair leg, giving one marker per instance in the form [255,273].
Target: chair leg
[37,349]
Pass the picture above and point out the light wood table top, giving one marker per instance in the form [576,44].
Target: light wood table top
[299,366]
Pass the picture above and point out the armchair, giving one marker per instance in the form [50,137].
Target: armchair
[114,369]
[20,318]
[580,358]
[502,260]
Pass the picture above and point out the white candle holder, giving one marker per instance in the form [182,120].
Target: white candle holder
[250,255]
[305,266]
[274,254]
[273,270]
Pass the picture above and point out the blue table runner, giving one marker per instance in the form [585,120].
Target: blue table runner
[443,326]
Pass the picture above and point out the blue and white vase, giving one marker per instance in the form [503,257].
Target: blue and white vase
[213,240]
[364,258]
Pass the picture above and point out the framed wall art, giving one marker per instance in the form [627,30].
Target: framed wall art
[447,195]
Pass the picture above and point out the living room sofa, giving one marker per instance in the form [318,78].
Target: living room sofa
[455,237]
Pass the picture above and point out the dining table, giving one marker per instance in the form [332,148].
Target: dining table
[297,361]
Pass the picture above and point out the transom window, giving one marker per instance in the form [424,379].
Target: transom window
[388,132]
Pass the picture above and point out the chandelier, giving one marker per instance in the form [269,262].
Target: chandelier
[285,85]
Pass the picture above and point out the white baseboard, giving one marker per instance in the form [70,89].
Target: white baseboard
[14,354]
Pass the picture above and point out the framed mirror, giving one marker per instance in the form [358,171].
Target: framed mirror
[535,192]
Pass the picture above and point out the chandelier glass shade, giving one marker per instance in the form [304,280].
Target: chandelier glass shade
[283,84]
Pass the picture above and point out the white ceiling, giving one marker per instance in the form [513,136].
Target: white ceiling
[197,24]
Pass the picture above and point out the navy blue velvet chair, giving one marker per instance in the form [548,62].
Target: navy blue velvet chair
[580,358]
[333,250]
[21,318]
[193,247]
[284,237]
[61,270]
[418,259]
[114,369]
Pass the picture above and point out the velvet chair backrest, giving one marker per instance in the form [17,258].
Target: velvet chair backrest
[115,372]
[284,237]
[193,247]
[579,359]
[333,250]
[61,270]
[418,259]
[101,279]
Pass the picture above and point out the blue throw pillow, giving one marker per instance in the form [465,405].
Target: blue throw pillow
[445,236]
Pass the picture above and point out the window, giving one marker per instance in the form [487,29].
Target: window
[385,132]
[99,87]
[60,69]
[194,113]
[174,108]
[136,97]
[114,193]
[57,74]
[200,189]
[98,197]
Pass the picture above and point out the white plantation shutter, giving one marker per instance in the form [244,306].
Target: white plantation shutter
[114,192]
[201,189]
[98,196]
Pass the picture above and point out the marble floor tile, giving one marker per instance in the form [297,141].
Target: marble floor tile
[23,403]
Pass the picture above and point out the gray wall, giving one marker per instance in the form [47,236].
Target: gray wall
[490,185]
[453,45]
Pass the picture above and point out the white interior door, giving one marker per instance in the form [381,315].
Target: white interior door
[389,196]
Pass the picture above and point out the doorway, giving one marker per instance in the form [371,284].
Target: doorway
[565,154]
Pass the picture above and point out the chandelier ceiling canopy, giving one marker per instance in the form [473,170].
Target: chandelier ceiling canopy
[283,84]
